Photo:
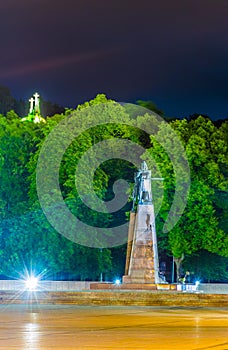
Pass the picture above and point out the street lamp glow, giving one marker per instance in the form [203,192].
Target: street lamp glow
[117,281]
[31,283]
[197,283]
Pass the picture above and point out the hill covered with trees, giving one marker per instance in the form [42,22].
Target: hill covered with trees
[21,107]
[199,240]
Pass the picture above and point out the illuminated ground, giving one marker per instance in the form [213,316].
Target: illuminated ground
[98,327]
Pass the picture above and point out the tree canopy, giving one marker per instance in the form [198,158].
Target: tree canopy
[26,236]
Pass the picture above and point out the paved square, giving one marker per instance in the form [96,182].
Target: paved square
[68,327]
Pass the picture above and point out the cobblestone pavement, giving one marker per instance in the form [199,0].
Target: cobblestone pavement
[81,327]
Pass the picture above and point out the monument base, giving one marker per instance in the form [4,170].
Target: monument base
[141,268]
[134,280]
[132,286]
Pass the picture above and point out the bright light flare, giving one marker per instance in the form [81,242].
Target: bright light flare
[197,283]
[117,281]
[31,283]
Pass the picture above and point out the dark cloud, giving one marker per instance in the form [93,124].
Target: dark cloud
[172,52]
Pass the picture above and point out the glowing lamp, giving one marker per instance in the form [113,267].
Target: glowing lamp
[31,283]
[117,281]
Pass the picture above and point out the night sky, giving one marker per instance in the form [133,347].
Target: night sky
[173,52]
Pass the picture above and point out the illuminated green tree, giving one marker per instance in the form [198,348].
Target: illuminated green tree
[198,228]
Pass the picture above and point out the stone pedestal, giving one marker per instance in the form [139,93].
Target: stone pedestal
[142,259]
[142,266]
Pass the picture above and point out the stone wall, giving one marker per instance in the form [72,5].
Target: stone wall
[14,285]
[213,288]
[19,285]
